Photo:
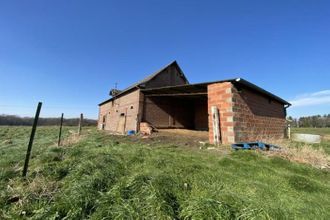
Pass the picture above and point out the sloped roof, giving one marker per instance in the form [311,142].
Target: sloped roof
[202,87]
[193,87]
[147,79]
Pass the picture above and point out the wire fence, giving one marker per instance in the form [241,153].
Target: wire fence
[50,115]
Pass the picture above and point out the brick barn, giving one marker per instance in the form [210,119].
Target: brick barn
[166,99]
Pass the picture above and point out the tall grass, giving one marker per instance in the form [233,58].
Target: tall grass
[106,177]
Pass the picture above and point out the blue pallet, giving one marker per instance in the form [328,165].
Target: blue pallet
[130,132]
[253,146]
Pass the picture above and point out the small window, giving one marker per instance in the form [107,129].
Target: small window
[122,114]
[132,107]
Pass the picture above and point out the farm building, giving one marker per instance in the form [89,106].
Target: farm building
[230,110]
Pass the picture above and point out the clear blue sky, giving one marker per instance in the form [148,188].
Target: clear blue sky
[68,54]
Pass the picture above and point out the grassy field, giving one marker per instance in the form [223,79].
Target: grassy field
[112,177]
[319,131]
[324,132]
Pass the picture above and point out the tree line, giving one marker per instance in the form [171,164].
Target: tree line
[316,121]
[28,121]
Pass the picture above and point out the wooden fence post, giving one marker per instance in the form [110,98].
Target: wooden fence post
[80,123]
[216,125]
[34,127]
[59,135]
[289,131]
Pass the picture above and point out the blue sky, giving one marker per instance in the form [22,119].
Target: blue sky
[68,54]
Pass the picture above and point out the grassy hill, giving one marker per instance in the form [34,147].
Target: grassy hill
[112,177]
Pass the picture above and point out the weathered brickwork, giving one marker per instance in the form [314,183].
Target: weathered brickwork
[256,117]
[121,114]
[244,114]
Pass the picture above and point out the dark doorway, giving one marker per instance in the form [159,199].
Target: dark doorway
[176,112]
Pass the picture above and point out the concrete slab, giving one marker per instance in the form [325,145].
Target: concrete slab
[307,138]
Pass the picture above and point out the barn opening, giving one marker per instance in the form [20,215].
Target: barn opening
[183,107]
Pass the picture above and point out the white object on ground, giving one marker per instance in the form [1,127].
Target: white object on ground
[307,138]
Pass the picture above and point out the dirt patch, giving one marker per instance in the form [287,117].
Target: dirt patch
[184,133]
[179,138]
[326,138]
[174,138]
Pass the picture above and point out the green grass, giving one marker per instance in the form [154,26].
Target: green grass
[109,177]
[319,131]
[324,132]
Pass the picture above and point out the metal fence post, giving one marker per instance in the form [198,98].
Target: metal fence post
[34,127]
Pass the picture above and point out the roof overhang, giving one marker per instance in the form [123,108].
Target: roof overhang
[201,89]
[261,90]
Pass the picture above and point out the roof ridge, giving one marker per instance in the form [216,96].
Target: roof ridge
[148,78]
[152,75]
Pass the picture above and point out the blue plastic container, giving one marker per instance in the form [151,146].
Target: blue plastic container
[253,146]
[130,132]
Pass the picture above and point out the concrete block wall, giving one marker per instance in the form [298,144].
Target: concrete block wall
[220,95]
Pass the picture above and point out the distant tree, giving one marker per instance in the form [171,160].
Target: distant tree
[27,121]
[316,121]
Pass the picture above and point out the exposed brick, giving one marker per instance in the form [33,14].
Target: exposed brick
[219,95]
[245,115]
[256,117]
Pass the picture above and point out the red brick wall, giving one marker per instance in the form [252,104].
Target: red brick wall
[220,95]
[256,117]
[245,115]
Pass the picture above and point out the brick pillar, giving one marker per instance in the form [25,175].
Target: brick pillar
[221,96]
